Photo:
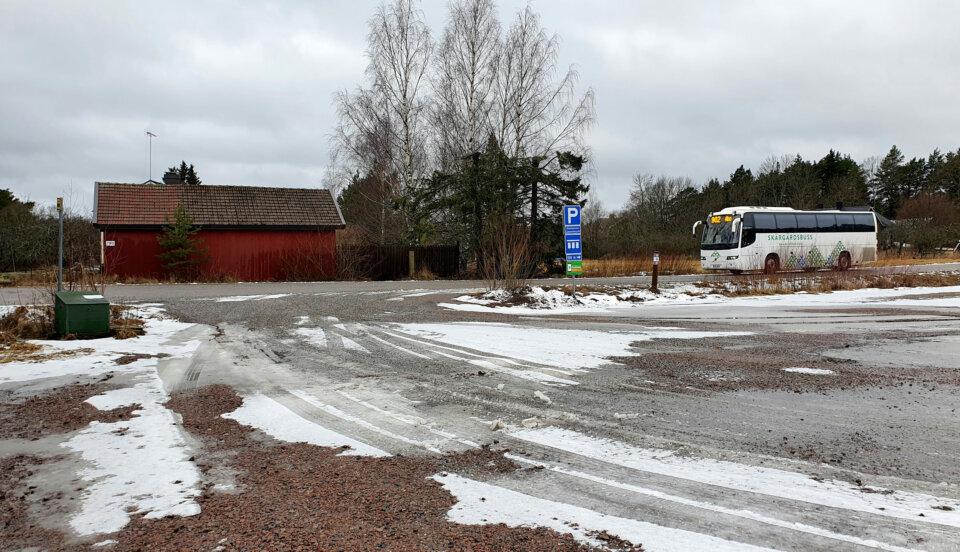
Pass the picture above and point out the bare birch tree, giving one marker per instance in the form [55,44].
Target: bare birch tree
[383,130]
[464,85]
[399,47]
[538,113]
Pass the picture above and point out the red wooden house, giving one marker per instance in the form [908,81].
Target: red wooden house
[249,233]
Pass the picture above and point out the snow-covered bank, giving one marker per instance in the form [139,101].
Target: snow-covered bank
[539,301]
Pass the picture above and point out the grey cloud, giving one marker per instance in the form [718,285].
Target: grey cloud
[244,90]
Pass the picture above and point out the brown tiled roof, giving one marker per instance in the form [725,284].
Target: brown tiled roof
[218,206]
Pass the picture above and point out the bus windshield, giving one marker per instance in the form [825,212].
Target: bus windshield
[720,235]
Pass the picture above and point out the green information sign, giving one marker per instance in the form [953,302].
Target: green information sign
[574,268]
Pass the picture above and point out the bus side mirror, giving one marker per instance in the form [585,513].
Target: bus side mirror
[696,225]
[736,225]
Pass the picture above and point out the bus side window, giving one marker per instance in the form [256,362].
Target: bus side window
[748,232]
[787,222]
[764,222]
[827,223]
[864,223]
[845,223]
[806,223]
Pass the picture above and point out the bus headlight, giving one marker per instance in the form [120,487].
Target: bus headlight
[733,257]
[703,258]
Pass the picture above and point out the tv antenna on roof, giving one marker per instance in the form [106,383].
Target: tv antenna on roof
[150,137]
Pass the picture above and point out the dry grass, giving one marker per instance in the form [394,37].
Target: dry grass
[424,274]
[17,350]
[827,282]
[21,324]
[24,351]
[685,264]
[632,266]
[890,258]
[123,326]
[28,323]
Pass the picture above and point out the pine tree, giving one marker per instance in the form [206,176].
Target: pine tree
[182,252]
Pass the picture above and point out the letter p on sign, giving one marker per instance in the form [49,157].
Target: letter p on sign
[571,215]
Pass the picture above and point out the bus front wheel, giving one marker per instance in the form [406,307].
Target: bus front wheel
[843,263]
[771,265]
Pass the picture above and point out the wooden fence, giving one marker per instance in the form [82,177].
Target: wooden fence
[392,262]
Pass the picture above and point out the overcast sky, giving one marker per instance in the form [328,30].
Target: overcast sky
[243,90]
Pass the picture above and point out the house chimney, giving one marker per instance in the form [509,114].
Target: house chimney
[171,178]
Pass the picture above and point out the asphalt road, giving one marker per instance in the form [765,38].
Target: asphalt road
[706,387]
[164,292]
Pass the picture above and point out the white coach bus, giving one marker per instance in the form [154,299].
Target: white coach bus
[771,239]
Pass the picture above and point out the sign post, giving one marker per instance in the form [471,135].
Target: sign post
[60,246]
[572,243]
[656,272]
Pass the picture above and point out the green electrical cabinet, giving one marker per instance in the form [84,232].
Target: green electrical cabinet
[82,313]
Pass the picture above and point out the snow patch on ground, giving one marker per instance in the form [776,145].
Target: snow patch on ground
[242,298]
[157,331]
[813,371]
[278,421]
[561,348]
[314,336]
[346,416]
[481,503]
[140,465]
[755,479]
[352,345]
[903,297]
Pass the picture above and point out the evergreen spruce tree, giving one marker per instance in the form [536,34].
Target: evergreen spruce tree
[187,174]
[182,252]
[886,185]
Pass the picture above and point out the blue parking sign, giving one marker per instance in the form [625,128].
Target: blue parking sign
[572,242]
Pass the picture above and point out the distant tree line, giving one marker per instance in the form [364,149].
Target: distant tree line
[922,194]
[464,139]
[28,236]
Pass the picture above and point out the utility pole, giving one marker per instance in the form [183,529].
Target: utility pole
[60,246]
[150,137]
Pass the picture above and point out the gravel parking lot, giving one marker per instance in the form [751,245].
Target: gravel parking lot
[741,423]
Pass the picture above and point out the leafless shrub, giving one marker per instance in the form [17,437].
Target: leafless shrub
[308,261]
[506,257]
